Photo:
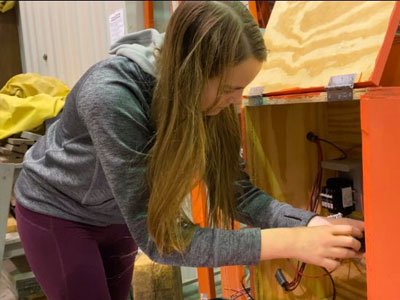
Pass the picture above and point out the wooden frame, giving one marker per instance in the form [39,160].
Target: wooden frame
[372,114]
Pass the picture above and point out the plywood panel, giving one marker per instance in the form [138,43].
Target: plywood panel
[380,111]
[280,159]
[343,128]
[282,162]
[310,41]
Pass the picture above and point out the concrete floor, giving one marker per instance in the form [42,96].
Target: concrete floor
[5,291]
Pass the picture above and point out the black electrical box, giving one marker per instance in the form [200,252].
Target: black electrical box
[337,195]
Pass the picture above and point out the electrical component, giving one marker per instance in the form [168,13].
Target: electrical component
[350,169]
[337,195]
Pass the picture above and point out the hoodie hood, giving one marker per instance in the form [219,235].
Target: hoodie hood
[139,47]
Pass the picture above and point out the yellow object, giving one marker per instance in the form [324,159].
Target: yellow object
[6,6]
[27,100]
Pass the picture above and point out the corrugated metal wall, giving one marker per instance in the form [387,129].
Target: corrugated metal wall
[74,35]
[64,38]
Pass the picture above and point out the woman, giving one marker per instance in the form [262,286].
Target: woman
[138,131]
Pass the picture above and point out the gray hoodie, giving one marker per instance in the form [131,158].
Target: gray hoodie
[90,166]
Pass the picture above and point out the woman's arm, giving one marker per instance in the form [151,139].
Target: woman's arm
[113,109]
[258,209]
[322,242]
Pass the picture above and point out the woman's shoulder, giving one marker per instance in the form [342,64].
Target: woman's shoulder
[114,84]
[120,66]
[115,73]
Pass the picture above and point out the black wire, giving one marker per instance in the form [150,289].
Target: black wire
[314,201]
[316,190]
[246,289]
[344,154]
[333,284]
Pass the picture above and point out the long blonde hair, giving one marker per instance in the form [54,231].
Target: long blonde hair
[202,40]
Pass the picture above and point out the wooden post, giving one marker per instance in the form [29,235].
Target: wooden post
[148,14]
[199,212]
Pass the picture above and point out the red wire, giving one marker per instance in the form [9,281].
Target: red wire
[305,275]
[314,201]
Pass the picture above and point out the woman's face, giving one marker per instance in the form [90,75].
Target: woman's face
[237,79]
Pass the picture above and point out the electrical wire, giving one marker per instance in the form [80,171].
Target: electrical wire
[333,284]
[247,290]
[316,189]
[344,154]
[295,269]
[313,206]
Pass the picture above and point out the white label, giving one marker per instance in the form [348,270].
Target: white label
[116,23]
[245,3]
[347,197]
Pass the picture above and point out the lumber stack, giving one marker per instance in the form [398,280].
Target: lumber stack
[12,150]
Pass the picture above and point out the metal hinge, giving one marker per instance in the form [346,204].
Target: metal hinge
[256,96]
[340,87]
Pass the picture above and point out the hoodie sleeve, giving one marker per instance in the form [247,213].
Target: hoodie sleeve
[258,209]
[114,110]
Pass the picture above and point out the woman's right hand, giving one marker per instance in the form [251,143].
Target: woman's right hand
[323,246]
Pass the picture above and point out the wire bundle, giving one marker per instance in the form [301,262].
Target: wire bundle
[313,206]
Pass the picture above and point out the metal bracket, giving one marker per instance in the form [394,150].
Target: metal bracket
[255,97]
[341,87]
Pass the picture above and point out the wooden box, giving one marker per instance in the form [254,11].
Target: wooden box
[309,43]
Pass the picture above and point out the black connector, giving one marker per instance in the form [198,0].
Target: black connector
[281,279]
[311,136]
[362,241]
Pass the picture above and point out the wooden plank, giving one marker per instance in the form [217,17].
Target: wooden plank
[199,213]
[17,141]
[314,97]
[14,157]
[11,225]
[231,278]
[391,73]
[380,111]
[10,58]
[280,159]
[5,151]
[148,7]
[310,41]
[19,149]
[30,135]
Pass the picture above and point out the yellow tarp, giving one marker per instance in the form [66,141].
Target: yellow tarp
[6,6]
[27,100]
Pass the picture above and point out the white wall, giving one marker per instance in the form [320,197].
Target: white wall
[74,35]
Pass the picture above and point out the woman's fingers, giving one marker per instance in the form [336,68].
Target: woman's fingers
[346,241]
[330,264]
[341,253]
[346,230]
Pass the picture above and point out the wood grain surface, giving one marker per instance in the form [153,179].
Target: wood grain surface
[310,41]
[282,162]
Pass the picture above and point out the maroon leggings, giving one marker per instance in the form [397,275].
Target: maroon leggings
[77,261]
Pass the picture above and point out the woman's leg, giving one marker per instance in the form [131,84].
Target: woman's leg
[118,251]
[64,256]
